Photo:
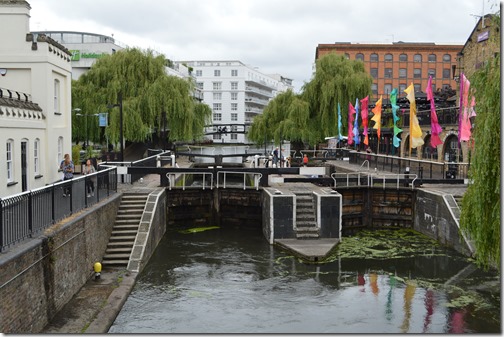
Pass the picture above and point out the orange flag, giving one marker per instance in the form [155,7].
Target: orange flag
[377,116]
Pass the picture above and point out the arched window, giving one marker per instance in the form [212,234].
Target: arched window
[417,58]
[374,57]
[56,96]
[347,56]
[36,156]
[359,56]
[446,58]
[389,58]
[432,58]
[403,58]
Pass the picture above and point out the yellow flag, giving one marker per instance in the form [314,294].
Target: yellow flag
[415,130]
[377,116]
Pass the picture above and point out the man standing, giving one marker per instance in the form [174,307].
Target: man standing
[275,157]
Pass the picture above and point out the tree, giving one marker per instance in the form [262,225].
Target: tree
[336,80]
[480,216]
[147,93]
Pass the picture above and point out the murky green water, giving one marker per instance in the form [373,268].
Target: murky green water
[233,281]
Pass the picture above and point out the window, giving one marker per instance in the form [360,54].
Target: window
[60,150]
[216,72]
[217,96]
[36,156]
[217,85]
[389,58]
[388,89]
[234,72]
[10,163]
[388,72]
[417,87]
[234,96]
[199,73]
[373,57]
[374,72]
[234,136]
[432,58]
[402,87]
[216,136]
[403,58]
[417,73]
[217,117]
[359,56]
[431,72]
[217,106]
[347,56]
[374,88]
[417,58]
[234,106]
[446,58]
[56,96]
[199,85]
[234,85]
[403,73]
[234,117]
[446,73]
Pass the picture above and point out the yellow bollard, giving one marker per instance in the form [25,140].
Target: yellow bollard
[97,269]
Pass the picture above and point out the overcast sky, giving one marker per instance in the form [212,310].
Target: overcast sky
[275,36]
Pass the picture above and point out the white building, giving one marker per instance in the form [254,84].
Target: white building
[35,103]
[236,93]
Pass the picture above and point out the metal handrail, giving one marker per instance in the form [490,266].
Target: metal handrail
[347,175]
[172,176]
[257,178]
[382,177]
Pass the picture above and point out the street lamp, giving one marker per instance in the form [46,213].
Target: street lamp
[119,104]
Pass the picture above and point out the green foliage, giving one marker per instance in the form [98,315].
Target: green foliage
[481,216]
[147,93]
[313,115]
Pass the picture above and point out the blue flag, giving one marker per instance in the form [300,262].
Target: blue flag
[356,123]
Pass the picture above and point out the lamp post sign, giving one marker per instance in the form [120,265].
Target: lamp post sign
[103,119]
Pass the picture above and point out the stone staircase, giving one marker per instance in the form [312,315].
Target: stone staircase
[458,200]
[306,223]
[125,230]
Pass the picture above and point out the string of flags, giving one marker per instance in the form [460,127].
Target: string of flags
[466,112]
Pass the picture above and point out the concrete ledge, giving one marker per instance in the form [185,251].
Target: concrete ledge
[310,250]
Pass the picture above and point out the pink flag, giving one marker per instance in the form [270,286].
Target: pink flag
[364,116]
[351,113]
[435,127]
[465,123]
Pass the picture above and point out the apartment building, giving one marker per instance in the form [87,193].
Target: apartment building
[398,64]
[236,93]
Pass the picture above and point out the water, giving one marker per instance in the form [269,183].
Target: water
[233,281]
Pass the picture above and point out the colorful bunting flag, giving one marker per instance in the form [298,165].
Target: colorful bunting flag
[415,130]
[435,127]
[377,116]
[356,123]
[464,122]
[393,102]
[364,117]
[351,112]
[340,137]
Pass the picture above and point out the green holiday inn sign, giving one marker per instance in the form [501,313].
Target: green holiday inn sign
[77,55]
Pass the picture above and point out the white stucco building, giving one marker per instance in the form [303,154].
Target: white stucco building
[35,103]
[236,93]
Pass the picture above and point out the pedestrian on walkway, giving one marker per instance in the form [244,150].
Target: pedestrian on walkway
[305,160]
[67,167]
[88,169]
[275,157]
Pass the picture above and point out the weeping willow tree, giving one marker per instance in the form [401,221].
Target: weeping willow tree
[285,118]
[481,204]
[148,95]
[336,80]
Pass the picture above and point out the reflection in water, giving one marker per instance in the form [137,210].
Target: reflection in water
[233,281]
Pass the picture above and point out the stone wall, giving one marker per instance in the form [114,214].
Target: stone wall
[39,277]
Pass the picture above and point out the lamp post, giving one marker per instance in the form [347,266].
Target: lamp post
[78,110]
[121,136]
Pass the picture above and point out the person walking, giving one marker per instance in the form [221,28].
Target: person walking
[67,167]
[88,169]
[275,157]
[305,160]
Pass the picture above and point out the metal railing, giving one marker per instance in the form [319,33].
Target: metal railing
[26,214]
[351,179]
[179,180]
[395,178]
[256,177]
[372,179]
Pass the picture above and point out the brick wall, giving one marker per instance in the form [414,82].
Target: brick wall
[39,277]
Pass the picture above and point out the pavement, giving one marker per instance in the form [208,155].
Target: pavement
[95,307]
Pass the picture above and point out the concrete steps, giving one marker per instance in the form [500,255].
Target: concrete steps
[306,223]
[125,230]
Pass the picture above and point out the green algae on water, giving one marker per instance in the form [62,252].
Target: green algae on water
[197,229]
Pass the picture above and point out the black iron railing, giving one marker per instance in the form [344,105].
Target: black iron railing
[25,215]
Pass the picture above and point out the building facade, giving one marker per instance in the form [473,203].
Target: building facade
[35,103]
[236,93]
[398,64]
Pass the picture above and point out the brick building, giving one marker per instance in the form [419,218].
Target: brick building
[398,64]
